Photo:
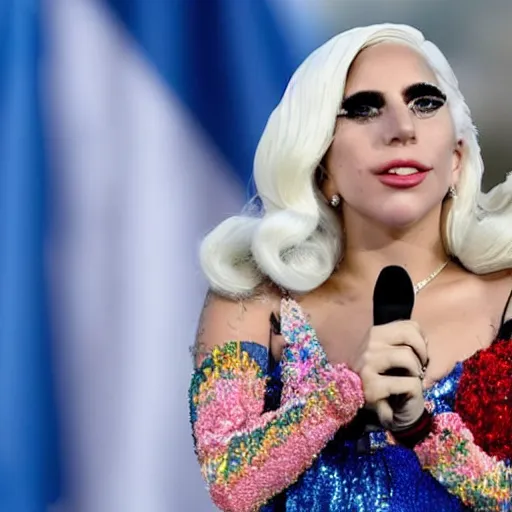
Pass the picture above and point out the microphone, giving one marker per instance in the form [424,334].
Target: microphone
[393,296]
[393,300]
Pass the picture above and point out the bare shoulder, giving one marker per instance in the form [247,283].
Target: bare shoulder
[498,280]
[225,319]
[505,283]
[497,286]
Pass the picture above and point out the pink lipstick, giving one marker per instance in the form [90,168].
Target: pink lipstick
[402,173]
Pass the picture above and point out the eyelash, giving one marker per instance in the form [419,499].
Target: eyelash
[435,102]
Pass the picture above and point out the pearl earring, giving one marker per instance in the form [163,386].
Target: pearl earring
[335,200]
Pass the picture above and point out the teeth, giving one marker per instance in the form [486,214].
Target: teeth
[403,171]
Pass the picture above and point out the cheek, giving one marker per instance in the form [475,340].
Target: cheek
[442,137]
[348,161]
[445,158]
[352,183]
[345,155]
[440,145]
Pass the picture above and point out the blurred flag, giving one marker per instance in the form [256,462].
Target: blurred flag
[155,109]
[28,448]
[226,61]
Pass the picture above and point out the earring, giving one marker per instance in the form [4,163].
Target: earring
[452,192]
[335,200]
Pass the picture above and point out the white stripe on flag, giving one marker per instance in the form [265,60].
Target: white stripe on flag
[136,188]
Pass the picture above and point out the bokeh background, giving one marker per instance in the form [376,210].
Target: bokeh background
[127,131]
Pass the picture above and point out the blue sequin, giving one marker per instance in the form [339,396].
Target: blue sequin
[389,479]
[364,473]
[442,393]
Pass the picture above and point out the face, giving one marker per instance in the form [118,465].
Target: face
[394,153]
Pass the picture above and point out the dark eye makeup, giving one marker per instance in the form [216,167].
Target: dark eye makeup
[423,99]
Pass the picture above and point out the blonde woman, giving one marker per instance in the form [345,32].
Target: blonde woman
[371,159]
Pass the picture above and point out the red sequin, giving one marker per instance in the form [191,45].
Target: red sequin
[484,398]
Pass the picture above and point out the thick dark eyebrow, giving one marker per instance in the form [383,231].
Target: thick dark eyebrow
[376,98]
[373,98]
[422,89]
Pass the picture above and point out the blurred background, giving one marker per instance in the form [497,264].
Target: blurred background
[127,131]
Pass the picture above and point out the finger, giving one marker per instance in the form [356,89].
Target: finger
[384,413]
[397,357]
[381,387]
[403,333]
[407,333]
[409,386]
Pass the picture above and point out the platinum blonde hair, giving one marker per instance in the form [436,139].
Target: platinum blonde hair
[296,242]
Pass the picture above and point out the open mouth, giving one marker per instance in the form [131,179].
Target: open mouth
[403,174]
[403,167]
[403,171]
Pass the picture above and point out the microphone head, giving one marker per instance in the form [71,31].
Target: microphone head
[393,296]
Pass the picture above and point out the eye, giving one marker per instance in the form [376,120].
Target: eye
[360,112]
[426,106]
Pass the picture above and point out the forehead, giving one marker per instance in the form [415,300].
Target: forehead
[386,67]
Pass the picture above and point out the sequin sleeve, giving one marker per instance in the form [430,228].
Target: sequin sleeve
[450,454]
[246,455]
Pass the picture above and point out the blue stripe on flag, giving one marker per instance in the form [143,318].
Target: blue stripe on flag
[226,59]
[28,461]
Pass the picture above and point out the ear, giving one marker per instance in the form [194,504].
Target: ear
[325,182]
[458,153]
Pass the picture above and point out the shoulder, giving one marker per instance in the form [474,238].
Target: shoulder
[487,293]
[497,288]
[495,281]
[240,311]
[507,279]
[225,319]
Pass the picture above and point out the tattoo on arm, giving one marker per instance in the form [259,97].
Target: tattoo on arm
[199,349]
[234,321]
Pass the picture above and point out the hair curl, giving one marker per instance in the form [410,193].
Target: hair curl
[295,240]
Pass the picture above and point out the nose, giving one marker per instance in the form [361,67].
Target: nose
[399,128]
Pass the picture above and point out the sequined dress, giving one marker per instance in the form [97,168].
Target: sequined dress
[363,471]
[463,465]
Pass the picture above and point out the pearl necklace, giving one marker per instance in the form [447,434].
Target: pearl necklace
[420,285]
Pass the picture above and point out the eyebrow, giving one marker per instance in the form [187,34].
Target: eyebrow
[411,92]
[422,89]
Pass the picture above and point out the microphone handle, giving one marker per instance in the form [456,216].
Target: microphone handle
[393,300]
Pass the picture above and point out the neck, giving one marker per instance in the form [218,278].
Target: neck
[370,247]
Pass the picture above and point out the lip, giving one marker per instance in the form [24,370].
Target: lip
[402,163]
[397,181]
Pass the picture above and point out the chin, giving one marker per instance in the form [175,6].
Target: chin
[403,217]
[399,224]
[396,213]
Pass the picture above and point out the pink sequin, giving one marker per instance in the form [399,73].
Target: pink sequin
[248,456]
[450,454]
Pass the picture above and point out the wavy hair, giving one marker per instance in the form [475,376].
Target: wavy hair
[295,240]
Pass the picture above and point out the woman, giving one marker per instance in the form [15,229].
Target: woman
[370,160]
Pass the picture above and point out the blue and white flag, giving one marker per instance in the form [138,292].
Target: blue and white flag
[154,110]
[29,476]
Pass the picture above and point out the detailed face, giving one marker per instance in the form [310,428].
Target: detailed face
[394,153]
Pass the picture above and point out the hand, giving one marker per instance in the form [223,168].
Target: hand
[391,366]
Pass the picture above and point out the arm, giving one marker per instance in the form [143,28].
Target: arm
[467,448]
[247,455]
[450,454]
